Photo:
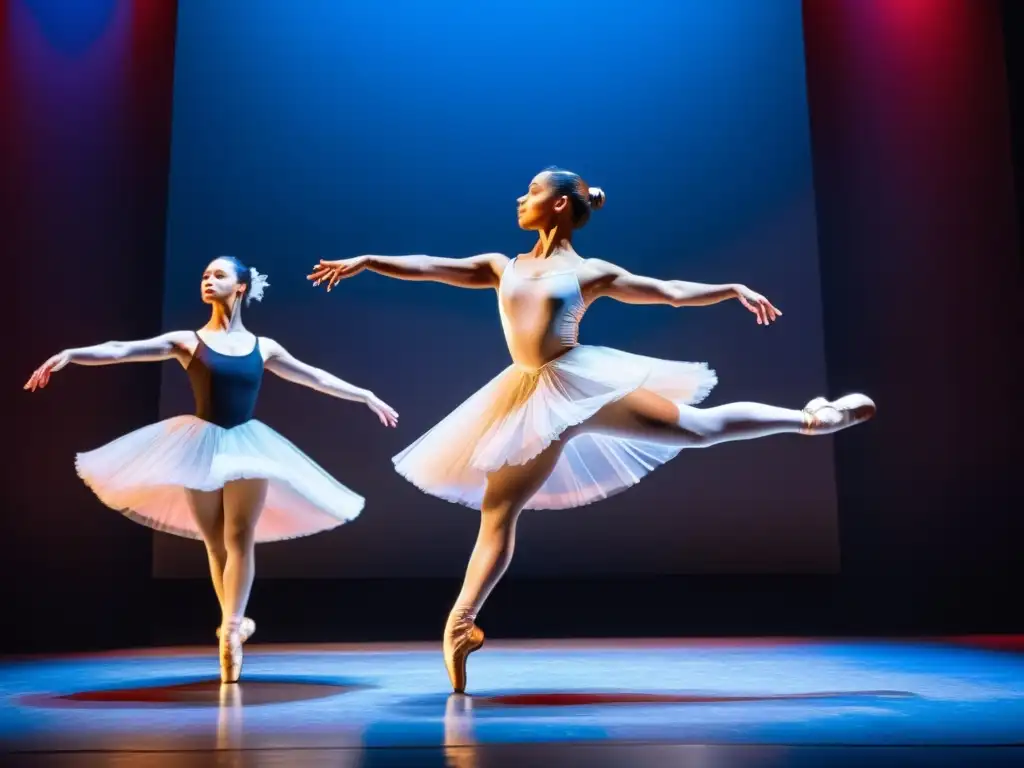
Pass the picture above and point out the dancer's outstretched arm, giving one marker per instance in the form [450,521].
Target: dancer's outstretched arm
[480,271]
[285,365]
[170,345]
[602,278]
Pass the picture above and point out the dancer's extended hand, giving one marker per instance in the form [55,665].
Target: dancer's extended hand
[764,310]
[388,416]
[334,272]
[41,376]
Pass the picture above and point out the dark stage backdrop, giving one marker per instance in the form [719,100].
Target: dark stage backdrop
[85,101]
[328,129]
[921,272]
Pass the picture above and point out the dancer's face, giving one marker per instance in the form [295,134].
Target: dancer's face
[540,208]
[220,282]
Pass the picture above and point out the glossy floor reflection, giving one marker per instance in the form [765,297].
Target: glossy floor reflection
[706,703]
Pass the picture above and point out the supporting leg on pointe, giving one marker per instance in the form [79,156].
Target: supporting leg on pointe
[243,503]
[208,512]
[507,492]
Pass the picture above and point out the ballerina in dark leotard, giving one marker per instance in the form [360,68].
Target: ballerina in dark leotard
[219,475]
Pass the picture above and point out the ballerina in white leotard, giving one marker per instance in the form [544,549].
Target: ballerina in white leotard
[566,424]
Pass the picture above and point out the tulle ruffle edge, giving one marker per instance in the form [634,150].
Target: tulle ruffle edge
[707,383]
[189,533]
[548,438]
[476,505]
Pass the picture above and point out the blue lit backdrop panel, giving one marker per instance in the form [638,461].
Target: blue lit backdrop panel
[329,129]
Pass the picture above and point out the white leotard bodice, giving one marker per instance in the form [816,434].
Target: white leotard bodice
[540,314]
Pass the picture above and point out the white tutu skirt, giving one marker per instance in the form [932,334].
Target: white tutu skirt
[520,412]
[146,474]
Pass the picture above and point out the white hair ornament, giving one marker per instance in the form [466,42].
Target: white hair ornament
[257,285]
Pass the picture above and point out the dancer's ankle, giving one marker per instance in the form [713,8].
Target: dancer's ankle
[462,612]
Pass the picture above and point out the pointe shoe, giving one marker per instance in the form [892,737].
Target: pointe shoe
[230,656]
[245,629]
[461,638]
[822,417]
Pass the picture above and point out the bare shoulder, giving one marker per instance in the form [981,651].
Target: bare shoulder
[497,261]
[596,276]
[179,337]
[599,270]
[269,347]
[182,341]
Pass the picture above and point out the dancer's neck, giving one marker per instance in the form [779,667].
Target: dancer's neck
[225,318]
[550,242]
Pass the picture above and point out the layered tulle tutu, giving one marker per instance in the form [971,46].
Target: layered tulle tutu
[520,412]
[145,475]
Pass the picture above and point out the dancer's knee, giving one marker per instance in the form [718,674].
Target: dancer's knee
[213,538]
[498,512]
[217,552]
[239,539]
[696,427]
